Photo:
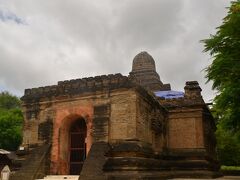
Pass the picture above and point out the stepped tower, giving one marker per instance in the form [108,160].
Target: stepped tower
[144,73]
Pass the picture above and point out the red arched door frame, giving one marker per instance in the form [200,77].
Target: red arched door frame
[77,146]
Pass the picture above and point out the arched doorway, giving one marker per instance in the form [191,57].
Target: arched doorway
[77,146]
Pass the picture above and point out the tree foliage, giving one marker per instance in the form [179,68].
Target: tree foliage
[224,47]
[228,146]
[11,120]
[8,101]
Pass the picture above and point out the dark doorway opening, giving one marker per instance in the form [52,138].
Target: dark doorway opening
[77,146]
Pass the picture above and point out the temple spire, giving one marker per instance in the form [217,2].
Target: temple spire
[144,72]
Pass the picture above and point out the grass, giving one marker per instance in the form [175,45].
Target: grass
[231,168]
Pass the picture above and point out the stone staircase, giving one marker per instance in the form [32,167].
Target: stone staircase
[60,177]
[92,167]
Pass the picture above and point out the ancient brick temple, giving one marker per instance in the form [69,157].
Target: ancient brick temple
[118,127]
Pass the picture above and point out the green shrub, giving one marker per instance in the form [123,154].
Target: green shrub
[11,120]
[228,147]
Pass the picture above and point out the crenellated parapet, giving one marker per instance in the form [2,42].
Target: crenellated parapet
[78,86]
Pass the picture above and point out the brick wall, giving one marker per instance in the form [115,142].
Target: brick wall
[185,129]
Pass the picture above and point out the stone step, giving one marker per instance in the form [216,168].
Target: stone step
[60,177]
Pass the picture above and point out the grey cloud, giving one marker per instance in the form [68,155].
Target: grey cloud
[6,15]
[73,39]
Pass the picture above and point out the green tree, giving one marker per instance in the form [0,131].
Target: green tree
[10,128]
[224,47]
[228,147]
[8,101]
[11,120]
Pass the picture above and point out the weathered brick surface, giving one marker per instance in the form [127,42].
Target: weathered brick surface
[101,121]
[185,129]
[151,120]
[123,115]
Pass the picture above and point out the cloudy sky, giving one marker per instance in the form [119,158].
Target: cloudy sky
[42,42]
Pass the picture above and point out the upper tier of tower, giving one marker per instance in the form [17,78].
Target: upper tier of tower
[144,72]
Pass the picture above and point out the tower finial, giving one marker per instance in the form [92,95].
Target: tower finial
[144,72]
